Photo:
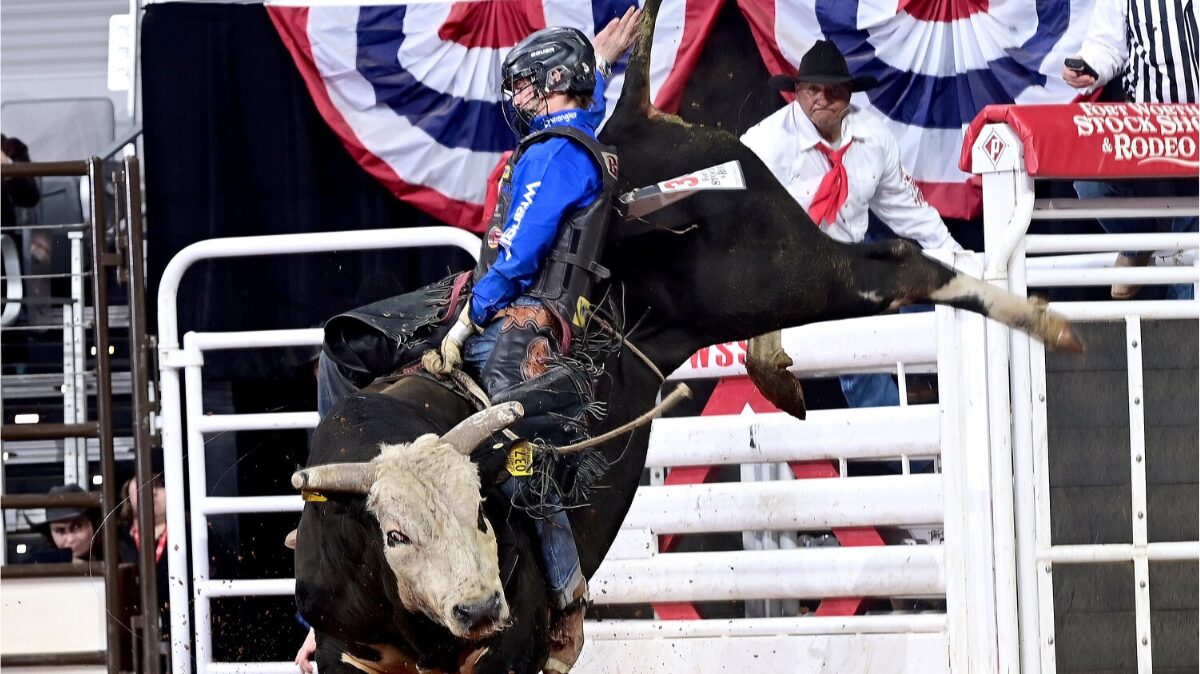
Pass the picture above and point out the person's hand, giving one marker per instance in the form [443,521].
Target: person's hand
[304,655]
[40,245]
[617,36]
[1076,78]
[449,355]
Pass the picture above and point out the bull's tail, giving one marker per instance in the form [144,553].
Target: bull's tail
[635,94]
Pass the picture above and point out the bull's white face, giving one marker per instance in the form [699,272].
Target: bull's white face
[436,539]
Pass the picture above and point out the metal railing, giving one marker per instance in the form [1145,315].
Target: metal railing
[121,253]
[197,587]
[1018,392]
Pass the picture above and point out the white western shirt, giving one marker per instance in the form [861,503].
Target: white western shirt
[786,142]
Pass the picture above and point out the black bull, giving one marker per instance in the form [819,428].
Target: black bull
[727,266]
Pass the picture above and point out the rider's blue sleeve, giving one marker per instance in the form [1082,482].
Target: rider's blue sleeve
[552,179]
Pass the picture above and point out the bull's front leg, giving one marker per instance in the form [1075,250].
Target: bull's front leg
[767,364]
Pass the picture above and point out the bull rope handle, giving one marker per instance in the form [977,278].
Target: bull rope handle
[681,391]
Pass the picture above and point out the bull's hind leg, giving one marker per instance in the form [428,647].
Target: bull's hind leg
[897,272]
[889,274]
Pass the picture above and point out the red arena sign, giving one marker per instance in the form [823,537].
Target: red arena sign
[1087,140]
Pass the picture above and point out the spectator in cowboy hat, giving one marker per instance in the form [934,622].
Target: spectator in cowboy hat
[841,165]
[73,527]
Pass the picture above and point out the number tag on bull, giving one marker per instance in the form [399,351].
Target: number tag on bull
[727,176]
[645,200]
[520,459]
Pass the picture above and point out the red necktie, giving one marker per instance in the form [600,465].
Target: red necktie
[831,194]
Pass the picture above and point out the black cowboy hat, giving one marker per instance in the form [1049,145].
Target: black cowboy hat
[823,64]
[64,513]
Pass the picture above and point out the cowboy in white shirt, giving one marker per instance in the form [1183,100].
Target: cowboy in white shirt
[795,141]
[838,163]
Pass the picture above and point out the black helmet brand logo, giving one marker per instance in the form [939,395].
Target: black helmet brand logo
[559,59]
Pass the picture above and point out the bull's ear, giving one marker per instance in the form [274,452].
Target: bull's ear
[466,436]
[355,478]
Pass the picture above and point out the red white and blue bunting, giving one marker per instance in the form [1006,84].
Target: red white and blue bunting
[412,90]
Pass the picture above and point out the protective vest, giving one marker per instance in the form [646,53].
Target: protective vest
[571,269]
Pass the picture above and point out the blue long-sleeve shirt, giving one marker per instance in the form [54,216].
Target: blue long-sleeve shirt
[551,179]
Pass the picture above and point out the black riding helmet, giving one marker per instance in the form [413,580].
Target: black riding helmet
[559,48]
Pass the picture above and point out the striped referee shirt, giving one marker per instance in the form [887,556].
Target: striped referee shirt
[1150,43]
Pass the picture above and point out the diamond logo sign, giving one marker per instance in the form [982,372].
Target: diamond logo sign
[993,147]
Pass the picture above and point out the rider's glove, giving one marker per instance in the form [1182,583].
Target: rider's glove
[449,356]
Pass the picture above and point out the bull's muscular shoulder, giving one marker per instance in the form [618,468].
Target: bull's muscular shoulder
[353,429]
[664,146]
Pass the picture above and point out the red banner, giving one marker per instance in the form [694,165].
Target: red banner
[1098,140]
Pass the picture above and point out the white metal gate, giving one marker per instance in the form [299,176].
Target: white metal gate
[1009,208]
[917,643]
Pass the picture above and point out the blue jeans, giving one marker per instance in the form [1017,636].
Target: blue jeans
[560,557]
[556,545]
[878,389]
[870,390]
[1093,189]
[332,385]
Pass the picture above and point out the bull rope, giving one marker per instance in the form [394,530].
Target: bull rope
[681,391]
[470,386]
[636,351]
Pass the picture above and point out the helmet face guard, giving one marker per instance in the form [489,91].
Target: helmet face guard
[517,117]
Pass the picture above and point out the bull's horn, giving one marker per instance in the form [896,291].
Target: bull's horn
[355,478]
[466,436]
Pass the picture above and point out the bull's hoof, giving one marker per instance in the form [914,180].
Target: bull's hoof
[1067,340]
[1054,330]
[780,387]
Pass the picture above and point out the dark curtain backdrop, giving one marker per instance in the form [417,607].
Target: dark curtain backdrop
[235,147]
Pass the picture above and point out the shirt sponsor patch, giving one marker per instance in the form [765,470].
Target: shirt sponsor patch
[506,239]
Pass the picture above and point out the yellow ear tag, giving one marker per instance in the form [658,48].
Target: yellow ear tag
[520,459]
[583,309]
[313,496]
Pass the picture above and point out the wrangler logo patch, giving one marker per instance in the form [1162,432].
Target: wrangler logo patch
[519,213]
[526,201]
